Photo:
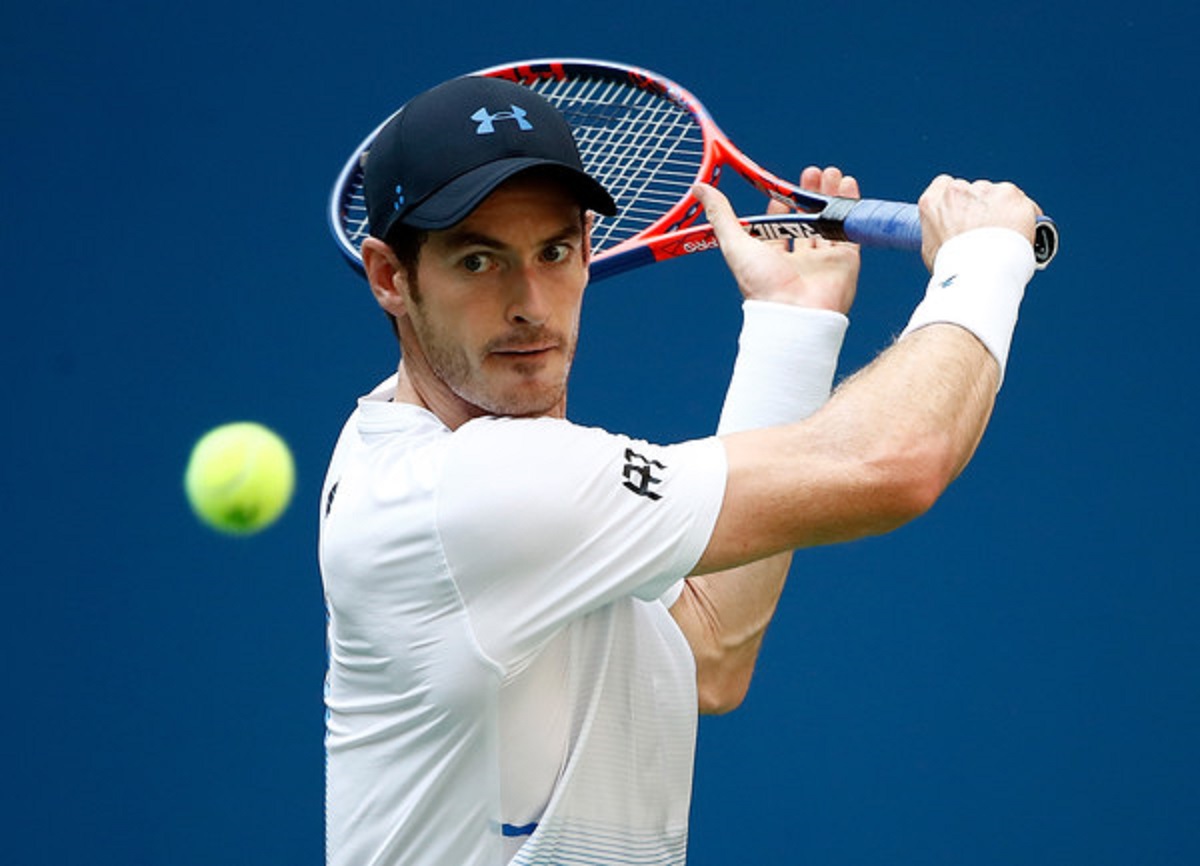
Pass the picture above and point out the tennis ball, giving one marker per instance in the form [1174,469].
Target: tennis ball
[240,477]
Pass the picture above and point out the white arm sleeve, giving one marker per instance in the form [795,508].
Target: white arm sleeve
[787,358]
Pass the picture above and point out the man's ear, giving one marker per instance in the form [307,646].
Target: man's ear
[388,279]
[589,220]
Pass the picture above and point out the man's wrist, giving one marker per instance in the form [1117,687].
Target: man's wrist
[978,282]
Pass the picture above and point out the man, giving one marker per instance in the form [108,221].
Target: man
[525,615]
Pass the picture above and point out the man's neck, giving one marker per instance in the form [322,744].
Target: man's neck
[452,411]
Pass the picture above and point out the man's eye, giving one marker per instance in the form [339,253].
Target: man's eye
[475,263]
[556,253]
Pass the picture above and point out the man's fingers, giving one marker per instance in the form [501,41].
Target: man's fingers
[810,178]
[720,214]
[829,181]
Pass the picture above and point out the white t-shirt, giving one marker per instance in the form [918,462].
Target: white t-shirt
[504,681]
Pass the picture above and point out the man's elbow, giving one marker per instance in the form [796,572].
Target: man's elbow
[907,484]
[722,693]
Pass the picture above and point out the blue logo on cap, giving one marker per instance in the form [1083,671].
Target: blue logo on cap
[487,121]
[399,197]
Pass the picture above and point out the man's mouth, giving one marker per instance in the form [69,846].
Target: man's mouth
[525,346]
[525,350]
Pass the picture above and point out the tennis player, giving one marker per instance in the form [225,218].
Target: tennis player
[526,615]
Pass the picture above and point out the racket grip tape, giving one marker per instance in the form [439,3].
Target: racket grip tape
[874,223]
[896,225]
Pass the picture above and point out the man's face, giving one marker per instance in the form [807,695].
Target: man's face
[495,305]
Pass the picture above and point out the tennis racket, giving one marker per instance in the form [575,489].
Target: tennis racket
[648,140]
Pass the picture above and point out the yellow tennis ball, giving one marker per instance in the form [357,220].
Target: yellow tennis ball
[240,477]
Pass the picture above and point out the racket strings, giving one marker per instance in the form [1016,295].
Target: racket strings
[353,210]
[645,149]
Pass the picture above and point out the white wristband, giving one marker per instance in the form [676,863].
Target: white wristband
[978,282]
[787,358]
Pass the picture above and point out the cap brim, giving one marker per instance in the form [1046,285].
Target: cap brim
[453,202]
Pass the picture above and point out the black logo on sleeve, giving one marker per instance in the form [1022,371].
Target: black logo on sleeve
[639,474]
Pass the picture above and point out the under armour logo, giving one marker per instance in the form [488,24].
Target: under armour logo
[487,121]
[639,474]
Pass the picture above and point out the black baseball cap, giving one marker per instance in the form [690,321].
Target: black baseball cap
[448,148]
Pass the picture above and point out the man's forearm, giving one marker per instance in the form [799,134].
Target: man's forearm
[878,455]
[784,372]
[725,617]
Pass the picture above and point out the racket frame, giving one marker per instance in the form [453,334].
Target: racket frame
[677,231]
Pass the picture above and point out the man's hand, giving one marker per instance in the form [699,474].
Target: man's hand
[813,272]
[951,206]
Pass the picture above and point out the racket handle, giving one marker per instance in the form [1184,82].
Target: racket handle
[876,223]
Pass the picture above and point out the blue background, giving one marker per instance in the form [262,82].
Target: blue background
[1012,679]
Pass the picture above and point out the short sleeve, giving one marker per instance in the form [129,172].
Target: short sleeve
[543,521]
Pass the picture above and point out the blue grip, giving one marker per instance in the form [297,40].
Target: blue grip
[876,223]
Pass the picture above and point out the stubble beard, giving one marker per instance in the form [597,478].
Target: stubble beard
[521,391]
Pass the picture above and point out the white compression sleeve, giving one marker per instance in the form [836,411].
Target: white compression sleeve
[787,358]
[978,282]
